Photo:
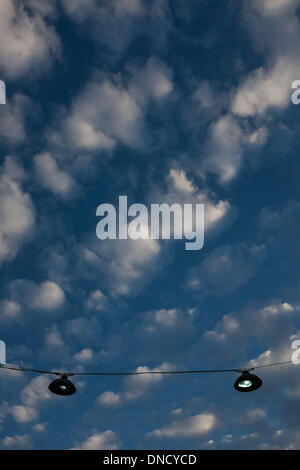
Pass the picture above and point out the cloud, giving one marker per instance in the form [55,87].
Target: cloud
[106,440]
[224,148]
[194,426]
[47,296]
[97,301]
[135,386]
[27,39]
[271,323]
[138,385]
[218,213]
[154,80]
[33,396]
[226,268]
[274,29]
[254,416]
[51,177]
[207,98]
[126,262]
[36,392]
[80,9]
[12,119]
[40,427]
[103,115]
[23,414]
[24,294]
[168,319]
[266,89]
[180,181]
[274,7]
[84,330]
[17,213]
[84,355]
[9,309]
[17,441]
[273,319]
[121,21]
[112,110]
[109,399]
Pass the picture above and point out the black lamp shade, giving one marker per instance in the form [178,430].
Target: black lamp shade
[247,382]
[62,386]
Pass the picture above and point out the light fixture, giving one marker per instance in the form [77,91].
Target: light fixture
[247,382]
[62,386]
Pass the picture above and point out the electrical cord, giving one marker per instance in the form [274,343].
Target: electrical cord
[152,372]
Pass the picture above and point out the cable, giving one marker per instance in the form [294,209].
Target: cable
[274,364]
[153,372]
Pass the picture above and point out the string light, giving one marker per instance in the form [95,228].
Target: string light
[62,386]
[247,382]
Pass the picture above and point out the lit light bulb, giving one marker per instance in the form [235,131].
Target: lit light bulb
[247,382]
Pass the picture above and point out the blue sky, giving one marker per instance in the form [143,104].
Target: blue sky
[163,102]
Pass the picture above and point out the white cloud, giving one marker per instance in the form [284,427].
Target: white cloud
[33,395]
[104,114]
[180,181]
[36,392]
[17,215]
[27,40]
[118,20]
[137,385]
[17,441]
[79,9]
[274,7]
[50,176]
[274,29]
[47,296]
[226,268]
[166,317]
[224,148]
[84,355]
[26,297]
[24,414]
[152,81]
[54,339]
[9,309]
[194,426]
[106,440]
[96,301]
[12,118]
[259,136]
[129,264]
[130,7]
[218,213]
[40,427]
[265,89]
[253,416]
[207,98]
[271,324]
[109,399]
[112,109]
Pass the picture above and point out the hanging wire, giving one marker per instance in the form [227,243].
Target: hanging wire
[148,372]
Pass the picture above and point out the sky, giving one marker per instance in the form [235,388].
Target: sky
[164,102]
